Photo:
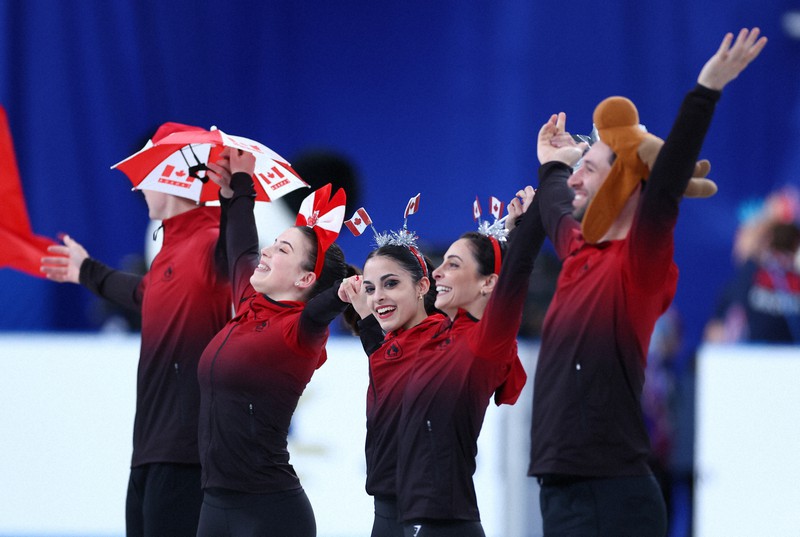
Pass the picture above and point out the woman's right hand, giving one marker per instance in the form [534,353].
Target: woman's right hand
[351,291]
[230,161]
[519,205]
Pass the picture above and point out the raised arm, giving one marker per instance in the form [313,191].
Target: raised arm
[500,322]
[234,175]
[557,153]
[369,330]
[672,170]
[731,59]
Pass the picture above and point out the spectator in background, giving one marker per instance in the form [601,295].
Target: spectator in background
[762,302]
[658,398]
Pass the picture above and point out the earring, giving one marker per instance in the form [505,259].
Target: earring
[420,297]
[483,292]
[297,284]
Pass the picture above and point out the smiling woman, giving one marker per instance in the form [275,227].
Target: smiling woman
[432,375]
[253,372]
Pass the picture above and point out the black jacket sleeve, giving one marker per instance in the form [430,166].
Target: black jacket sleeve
[371,334]
[503,315]
[238,225]
[555,203]
[121,288]
[321,310]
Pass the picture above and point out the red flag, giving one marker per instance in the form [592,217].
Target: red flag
[359,222]
[476,209]
[412,207]
[22,250]
[497,207]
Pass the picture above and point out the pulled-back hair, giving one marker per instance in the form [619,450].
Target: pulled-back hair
[410,263]
[334,267]
[482,250]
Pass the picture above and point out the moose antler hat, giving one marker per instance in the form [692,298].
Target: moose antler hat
[617,123]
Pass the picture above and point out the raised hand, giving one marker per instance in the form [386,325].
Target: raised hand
[519,205]
[350,290]
[230,161]
[554,143]
[65,266]
[730,60]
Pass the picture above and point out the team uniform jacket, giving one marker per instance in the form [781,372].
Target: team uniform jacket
[455,374]
[587,417]
[253,372]
[391,361]
[184,301]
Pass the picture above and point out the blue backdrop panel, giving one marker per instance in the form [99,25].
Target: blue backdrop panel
[442,98]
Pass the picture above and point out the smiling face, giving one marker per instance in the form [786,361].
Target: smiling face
[282,272]
[392,294]
[588,179]
[459,282]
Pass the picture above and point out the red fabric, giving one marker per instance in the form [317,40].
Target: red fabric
[323,214]
[22,250]
[170,128]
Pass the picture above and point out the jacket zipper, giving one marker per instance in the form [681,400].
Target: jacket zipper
[212,404]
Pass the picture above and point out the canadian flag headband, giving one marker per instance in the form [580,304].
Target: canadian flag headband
[408,239]
[497,231]
[324,215]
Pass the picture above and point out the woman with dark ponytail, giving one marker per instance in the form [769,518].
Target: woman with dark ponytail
[394,300]
[253,372]
[465,357]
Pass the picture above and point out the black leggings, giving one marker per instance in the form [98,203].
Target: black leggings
[163,499]
[385,523]
[596,507]
[228,513]
[443,528]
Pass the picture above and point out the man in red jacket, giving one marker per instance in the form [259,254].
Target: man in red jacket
[184,300]
[589,445]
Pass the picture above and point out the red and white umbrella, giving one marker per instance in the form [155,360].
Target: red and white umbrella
[174,161]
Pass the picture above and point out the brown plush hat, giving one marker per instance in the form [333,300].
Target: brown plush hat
[617,122]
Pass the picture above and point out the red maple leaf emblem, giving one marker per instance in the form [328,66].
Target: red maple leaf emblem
[357,221]
[180,173]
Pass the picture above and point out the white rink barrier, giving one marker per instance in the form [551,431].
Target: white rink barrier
[67,418]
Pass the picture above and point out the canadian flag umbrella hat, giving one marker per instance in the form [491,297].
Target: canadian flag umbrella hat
[174,162]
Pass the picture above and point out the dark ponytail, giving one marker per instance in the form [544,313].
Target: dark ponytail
[483,251]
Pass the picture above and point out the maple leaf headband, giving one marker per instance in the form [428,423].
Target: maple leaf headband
[495,232]
[403,237]
[324,215]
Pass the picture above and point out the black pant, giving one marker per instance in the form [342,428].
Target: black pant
[163,499]
[602,507]
[228,513]
[385,523]
[443,528]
